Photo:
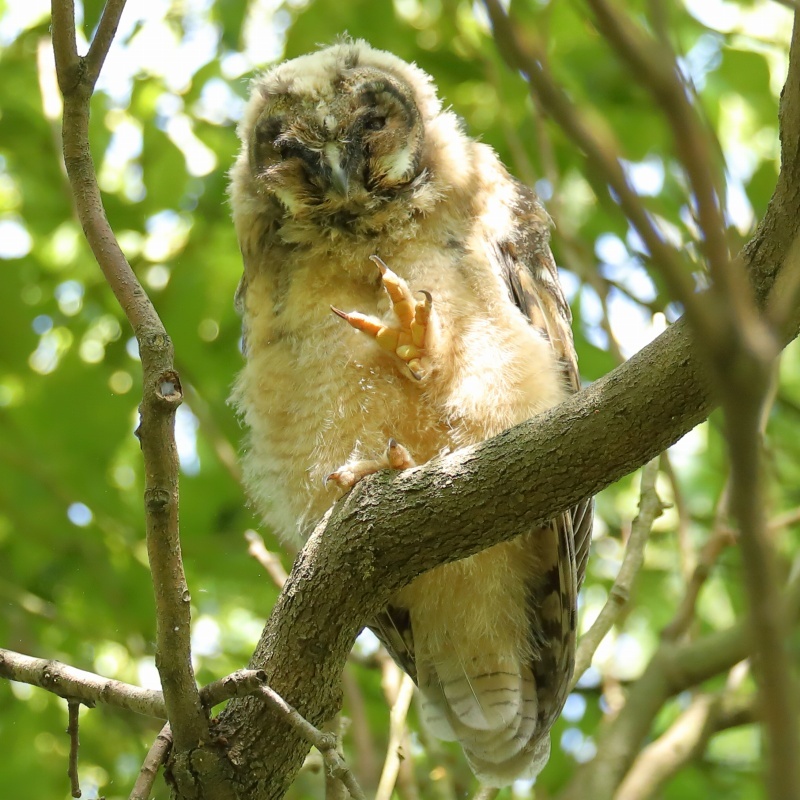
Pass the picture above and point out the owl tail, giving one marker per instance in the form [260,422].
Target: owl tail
[489,705]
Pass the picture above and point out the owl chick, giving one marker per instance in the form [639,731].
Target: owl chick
[399,287]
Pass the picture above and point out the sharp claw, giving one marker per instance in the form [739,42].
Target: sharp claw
[379,262]
[361,322]
[428,297]
[342,481]
[397,456]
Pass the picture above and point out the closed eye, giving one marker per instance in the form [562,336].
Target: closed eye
[375,123]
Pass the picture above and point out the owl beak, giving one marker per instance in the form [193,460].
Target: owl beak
[340,180]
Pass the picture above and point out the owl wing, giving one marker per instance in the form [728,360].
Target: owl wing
[393,628]
[531,276]
[562,546]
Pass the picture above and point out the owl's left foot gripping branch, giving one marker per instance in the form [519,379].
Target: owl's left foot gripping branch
[394,457]
[405,340]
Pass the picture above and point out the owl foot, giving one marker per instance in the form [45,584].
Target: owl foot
[406,340]
[394,457]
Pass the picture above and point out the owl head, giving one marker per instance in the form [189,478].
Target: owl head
[334,137]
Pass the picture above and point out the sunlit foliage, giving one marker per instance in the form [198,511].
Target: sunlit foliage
[74,580]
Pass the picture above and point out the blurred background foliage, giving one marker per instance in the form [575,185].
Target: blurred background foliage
[74,581]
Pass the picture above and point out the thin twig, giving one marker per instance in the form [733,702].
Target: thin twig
[156,756]
[269,560]
[76,684]
[673,669]
[104,35]
[393,682]
[334,788]
[324,742]
[486,793]
[397,729]
[650,508]
[720,538]
[241,683]
[653,65]
[784,520]
[602,152]
[90,689]
[685,549]
[73,709]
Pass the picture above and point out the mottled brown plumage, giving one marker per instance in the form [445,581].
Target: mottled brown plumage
[347,154]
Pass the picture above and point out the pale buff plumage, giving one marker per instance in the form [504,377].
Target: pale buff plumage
[488,639]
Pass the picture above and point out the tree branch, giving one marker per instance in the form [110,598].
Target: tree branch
[397,730]
[650,509]
[89,689]
[601,149]
[101,42]
[326,743]
[653,64]
[161,386]
[73,709]
[684,740]
[156,756]
[673,669]
[76,684]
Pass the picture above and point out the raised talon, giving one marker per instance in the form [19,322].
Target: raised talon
[406,341]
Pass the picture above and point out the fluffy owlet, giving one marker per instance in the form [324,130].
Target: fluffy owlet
[400,299]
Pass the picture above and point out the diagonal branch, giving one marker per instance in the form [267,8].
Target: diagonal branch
[650,508]
[672,669]
[602,151]
[653,64]
[101,42]
[373,542]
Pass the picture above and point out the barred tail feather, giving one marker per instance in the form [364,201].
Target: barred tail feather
[490,706]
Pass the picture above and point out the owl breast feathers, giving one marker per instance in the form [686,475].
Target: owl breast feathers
[347,154]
